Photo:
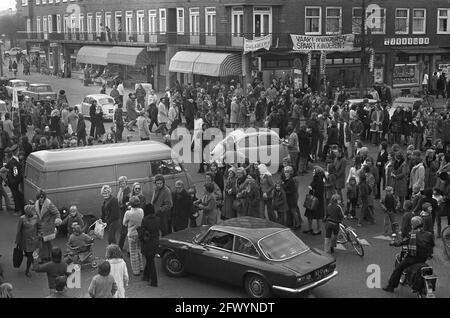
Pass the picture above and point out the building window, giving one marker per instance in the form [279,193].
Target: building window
[28,25]
[262,21]
[73,23]
[140,22]
[419,21]
[66,23]
[313,18]
[152,22]
[118,21]
[180,20]
[58,23]
[401,21]
[210,21]
[38,24]
[237,22]
[89,22]
[194,21]
[98,22]
[443,21]
[129,22]
[81,22]
[108,20]
[356,20]
[50,24]
[376,21]
[334,21]
[44,24]
[162,21]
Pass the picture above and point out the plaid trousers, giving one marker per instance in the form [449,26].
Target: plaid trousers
[136,259]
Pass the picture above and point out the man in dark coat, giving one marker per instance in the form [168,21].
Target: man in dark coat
[162,202]
[149,238]
[92,111]
[110,214]
[189,113]
[182,207]
[14,175]
[441,86]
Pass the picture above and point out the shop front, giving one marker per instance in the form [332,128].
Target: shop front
[200,66]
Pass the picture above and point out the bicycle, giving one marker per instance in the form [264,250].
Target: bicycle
[348,234]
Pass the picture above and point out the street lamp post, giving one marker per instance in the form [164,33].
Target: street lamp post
[1,59]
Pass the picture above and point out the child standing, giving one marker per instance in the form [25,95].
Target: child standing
[389,204]
[103,284]
[427,209]
[352,198]
[364,192]
[408,214]
[279,203]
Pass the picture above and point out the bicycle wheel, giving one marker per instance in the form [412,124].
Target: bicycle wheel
[342,235]
[355,242]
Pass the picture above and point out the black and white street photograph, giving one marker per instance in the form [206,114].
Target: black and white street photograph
[225,156]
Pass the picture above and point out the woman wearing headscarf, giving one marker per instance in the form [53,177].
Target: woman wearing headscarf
[123,196]
[399,175]
[229,210]
[317,189]
[132,220]
[110,214]
[267,187]
[137,191]
[149,238]
[27,235]
[290,188]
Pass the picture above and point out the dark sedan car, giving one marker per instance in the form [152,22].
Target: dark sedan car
[260,255]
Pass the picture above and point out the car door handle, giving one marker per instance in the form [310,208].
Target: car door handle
[225,258]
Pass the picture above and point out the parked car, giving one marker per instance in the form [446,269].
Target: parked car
[40,92]
[256,145]
[106,101]
[13,51]
[21,85]
[262,256]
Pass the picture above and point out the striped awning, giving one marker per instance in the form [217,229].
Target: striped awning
[207,63]
[132,56]
[96,55]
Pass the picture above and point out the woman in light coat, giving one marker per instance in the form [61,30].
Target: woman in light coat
[132,220]
[234,114]
[119,269]
[26,238]
[267,188]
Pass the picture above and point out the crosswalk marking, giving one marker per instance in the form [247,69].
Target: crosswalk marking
[383,237]
[364,242]
[340,247]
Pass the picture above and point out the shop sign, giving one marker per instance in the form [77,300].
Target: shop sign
[405,75]
[343,42]
[406,41]
[54,44]
[259,43]
[298,83]
[378,75]
[445,68]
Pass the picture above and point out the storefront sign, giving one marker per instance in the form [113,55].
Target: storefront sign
[323,43]
[54,45]
[378,75]
[406,41]
[260,43]
[405,75]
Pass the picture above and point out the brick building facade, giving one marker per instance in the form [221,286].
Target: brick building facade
[164,41]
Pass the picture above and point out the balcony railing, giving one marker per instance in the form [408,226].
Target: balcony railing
[279,40]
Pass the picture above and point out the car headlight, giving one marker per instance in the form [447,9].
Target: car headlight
[304,278]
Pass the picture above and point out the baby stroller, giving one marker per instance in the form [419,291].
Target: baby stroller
[84,255]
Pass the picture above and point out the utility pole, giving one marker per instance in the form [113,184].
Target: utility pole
[363,72]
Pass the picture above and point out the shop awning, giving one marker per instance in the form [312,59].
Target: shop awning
[206,63]
[183,62]
[424,50]
[93,55]
[132,56]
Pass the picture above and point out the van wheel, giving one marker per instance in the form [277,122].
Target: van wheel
[172,265]
[256,286]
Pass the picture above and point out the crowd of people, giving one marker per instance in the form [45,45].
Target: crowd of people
[317,127]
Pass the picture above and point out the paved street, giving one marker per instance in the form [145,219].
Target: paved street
[351,282]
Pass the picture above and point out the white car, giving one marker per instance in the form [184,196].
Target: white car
[261,145]
[20,85]
[106,101]
[13,51]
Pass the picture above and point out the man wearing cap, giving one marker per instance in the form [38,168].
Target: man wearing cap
[143,125]
[14,176]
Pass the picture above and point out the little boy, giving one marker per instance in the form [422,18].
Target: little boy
[103,284]
[389,204]
[352,198]
[427,209]
[406,218]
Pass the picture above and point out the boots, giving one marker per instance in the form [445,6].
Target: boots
[327,245]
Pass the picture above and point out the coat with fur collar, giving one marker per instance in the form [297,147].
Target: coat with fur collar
[47,215]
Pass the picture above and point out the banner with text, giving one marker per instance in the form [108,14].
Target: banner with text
[257,44]
[323,43]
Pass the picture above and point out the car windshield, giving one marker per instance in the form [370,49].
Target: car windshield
[282,245]
[44,88]
[104,101]
[17,84]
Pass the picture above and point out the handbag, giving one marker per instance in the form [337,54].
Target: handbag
[17,256]
[311,202]
[49,237]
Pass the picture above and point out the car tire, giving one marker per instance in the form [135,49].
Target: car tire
[172,265]
[256,286]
